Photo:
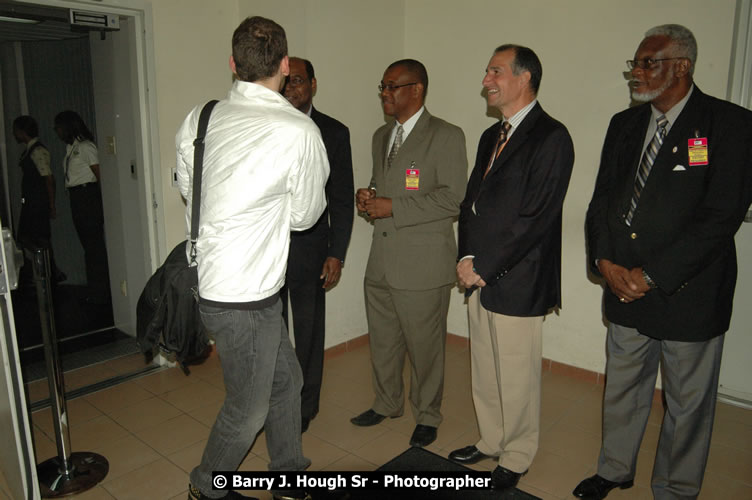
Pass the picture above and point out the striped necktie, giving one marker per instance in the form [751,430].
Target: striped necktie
[648,158]
[396,145]
[500,143]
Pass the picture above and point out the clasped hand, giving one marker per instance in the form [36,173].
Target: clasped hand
[627,284]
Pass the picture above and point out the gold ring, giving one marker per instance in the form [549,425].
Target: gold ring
[622,299]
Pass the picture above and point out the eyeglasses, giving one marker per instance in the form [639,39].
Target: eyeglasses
[295,81]
[648,63]
[391,88]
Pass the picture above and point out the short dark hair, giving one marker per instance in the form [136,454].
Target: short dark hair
[73,126]
[416,69]
[308,67]
[258,47]
[27,124]
[525,60]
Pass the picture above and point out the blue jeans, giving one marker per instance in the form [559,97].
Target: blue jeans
[262,390]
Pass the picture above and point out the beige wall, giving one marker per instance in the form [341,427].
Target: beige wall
[583,46]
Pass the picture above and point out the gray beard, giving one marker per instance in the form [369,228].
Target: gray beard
[653,94]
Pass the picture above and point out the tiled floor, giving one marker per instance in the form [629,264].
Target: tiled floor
[153,430]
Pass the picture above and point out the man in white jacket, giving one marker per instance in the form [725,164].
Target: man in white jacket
[265,167]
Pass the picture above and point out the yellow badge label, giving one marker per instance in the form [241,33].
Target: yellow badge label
[412,179]
[698,151]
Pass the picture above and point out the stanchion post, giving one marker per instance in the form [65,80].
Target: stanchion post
[68,472]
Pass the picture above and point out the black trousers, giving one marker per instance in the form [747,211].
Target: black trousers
[88,219]
[308,302]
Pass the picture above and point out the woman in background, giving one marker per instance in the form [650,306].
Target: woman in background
[82,180]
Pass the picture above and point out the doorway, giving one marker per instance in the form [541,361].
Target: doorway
[100,74]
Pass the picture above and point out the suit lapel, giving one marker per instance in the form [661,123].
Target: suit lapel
[415,137]
[518,138]
[632,150]
[684,128]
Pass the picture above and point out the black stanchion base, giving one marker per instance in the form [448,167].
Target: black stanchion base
[87,469]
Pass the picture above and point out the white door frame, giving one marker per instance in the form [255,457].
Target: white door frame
[736,372]
[140,11]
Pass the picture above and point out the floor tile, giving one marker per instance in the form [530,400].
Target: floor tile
[174,434]
[146,413]
[117,397]
[193,396]
[189,457]
[555,474]
[155,481]
[384,448]
[320,452]
[95,433]
[95,493]
[126,455]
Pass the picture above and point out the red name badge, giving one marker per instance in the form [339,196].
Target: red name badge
[412,179]
[698,151]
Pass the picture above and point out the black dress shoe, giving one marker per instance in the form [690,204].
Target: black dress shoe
[195,494]
[468,455]
[597,487]
[423,435]
[367,418]
[504,479]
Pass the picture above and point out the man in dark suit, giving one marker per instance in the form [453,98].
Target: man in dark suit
[317,254]
[510,260]
[419,171]
[672,190]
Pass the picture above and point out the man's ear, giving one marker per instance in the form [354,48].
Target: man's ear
[526,76]
[418,90]
[284,66]
[232,66]
[313,86]
[682,67]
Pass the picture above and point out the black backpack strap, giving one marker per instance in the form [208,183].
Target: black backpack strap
[198,169]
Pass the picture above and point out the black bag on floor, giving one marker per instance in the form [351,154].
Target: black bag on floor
[167,315]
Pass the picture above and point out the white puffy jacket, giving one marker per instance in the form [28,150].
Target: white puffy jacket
[265,167]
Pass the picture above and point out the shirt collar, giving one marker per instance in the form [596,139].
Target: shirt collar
[520,115]
[409,124]
[673,113]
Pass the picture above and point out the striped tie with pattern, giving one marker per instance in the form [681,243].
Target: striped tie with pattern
[645,165]
[500,143]
[396,145]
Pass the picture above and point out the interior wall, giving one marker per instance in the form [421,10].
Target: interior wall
[191,57]
[583,46]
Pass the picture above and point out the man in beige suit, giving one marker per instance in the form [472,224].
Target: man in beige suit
[419,176]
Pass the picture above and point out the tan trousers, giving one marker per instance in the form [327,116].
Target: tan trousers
[505,353]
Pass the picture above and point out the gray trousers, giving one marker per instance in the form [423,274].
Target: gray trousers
[262,389]
[690,385]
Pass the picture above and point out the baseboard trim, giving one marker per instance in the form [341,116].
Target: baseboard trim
[549,365]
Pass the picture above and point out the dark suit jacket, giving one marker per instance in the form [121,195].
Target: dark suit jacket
[415,248]
[683,230]
[330,236]
[511,220]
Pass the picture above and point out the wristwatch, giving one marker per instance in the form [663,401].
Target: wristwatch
[648,279]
